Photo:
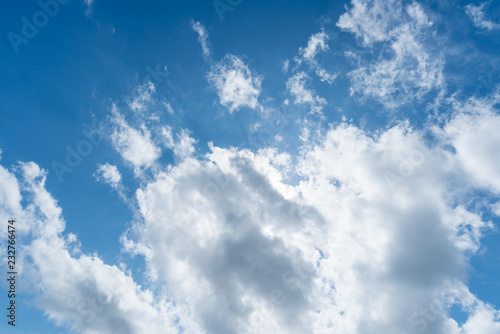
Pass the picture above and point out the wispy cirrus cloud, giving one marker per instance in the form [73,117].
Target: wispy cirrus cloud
[371,21]
[296,86]
[479,18]
[202,37]
[317,43]
[411,71]
[142,98]
[89,7]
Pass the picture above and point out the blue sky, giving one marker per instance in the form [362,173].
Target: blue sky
[341,155]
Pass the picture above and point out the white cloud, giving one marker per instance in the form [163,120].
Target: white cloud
[474,134]
[317,43]
[169,108]
[202,37]
[411,71]
[183,147]
[285,65]
[10,201]
[142,97]
[478,17]
[109,174]
[134,145]
[394,81]
[235,84]
[377,249]
[80,291]
[386,236]
[484,321]
[371,21]
[495,208]
[296,85]
[374,231]
[88,4]
[374,235]
[209,220]
[325,75]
